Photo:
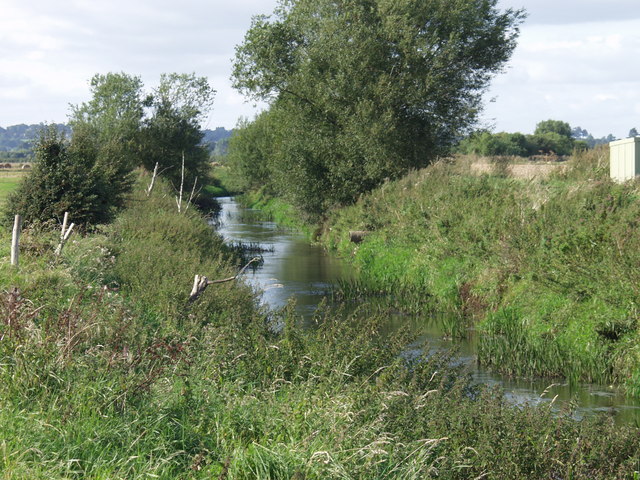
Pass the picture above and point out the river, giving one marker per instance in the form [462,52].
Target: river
[294,268]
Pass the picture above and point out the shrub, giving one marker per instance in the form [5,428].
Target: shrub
[66,178]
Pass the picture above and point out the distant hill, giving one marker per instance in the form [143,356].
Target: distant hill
[16,141]
[217,141]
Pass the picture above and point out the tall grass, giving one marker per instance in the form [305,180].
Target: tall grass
[558,254]
[106,371]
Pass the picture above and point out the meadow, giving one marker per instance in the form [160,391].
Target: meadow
[9,180]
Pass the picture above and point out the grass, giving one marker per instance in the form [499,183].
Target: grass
[106,371]
[9,180]
[277,210]
[220,186]
[545,267]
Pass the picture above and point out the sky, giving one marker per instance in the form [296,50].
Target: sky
[576,60]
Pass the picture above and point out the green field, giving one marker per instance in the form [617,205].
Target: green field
[9,180]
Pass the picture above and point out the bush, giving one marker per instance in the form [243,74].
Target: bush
[550,142]
[66,178]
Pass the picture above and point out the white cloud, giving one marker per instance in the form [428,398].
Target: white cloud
[580,72]
[49,50]
[576,60]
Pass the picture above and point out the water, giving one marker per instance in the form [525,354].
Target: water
[294,268]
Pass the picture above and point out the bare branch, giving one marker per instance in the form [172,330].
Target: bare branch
[201,282]
[179,199]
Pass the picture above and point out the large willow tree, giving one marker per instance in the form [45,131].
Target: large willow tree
[365,89]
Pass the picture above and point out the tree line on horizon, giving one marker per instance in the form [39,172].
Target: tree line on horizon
[550,138]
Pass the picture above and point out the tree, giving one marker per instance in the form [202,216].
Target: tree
[107,127]
[90,175]
[64,179]
[550,142]
[370,88]
[173,131]
[555,126]
[633,132]
[580,133]
[250,154]
[112,118]
[490,144]
[124,127]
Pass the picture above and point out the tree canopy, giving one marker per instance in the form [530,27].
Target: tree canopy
[551,137]
[366,89]
[64,178]
[172,131]
[553,126]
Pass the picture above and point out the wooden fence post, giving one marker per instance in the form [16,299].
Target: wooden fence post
[15,240]
[64,234]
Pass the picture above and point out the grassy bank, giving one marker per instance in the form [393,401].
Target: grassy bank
[545,268]
[220,185]
[107,371]
[277,210]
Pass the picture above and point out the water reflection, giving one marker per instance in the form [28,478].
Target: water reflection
[293,267]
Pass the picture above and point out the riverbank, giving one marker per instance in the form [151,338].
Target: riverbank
[109,372]
[543,267]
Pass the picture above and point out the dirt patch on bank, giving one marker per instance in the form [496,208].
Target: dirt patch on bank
[525,171]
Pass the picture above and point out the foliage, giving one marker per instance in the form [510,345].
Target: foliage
[553,126]
[91,175]
[125,127]
[551,143]
[364,90]
[546,267]
[110,121]
[172,133]
[550,137]
[489,144]
[66,177]
[130,381]
[582,134]
[250,153]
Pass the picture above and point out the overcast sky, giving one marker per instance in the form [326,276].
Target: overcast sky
[577,60]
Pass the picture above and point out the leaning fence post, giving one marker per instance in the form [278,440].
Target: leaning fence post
[15,240]
[65,220]
[64,234]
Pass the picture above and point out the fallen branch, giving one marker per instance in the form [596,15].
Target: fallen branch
[201,282]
